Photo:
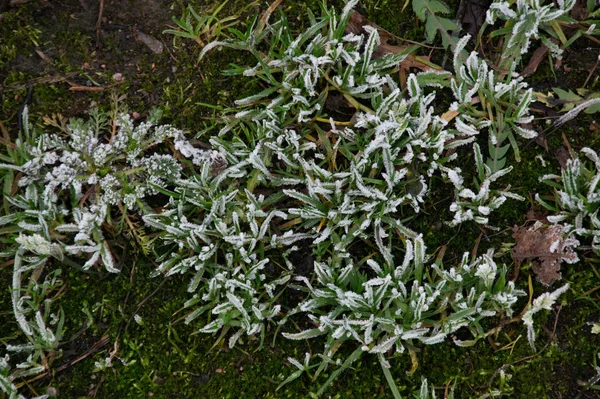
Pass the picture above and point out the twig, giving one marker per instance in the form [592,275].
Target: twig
[42,55]
[97,387]
[43,80]
[99,23]
[591,72]
[86,88]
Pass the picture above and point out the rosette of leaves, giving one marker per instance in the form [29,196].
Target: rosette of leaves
[373,164]
[477,205]
[348,181]
[576,202]
[68,185]
[372,171]
[385,308]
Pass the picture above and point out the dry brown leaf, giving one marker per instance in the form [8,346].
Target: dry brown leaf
[546,247]
[562,156]
[541,140]
[538,56]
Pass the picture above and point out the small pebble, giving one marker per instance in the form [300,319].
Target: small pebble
[154,45]
[118,77]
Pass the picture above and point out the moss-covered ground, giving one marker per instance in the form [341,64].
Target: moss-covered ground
[47,48]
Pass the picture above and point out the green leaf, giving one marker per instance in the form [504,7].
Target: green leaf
[515,147]
[566,95]
[391,383]
[307,334]
[427,11]
[291,378]
[501,282]
[460,314]
[349,360]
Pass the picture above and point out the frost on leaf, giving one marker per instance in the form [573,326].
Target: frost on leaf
[546,247]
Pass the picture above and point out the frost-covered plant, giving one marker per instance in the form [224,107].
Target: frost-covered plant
[302,72]
[223,236]
[577,198]
[7,386]
[348,182]
[68,188]
[477,206]
[543,302]
[484,100]
[381,159]
[527,20]
[70,184]
[42,327]
[385,308]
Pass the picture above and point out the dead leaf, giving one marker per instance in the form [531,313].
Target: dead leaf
[538,56]
[337,102]
[546,247]
[540,140]
[264,18]
[562,156]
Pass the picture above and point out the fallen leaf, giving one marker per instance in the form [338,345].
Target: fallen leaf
[337,102]
[580,10]
[537,214]
[562,156]
[546,247]
[538,55]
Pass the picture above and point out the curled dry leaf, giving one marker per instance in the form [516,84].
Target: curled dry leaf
[546,247]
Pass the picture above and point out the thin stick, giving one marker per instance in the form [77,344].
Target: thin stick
[85,88]
[592,71]
[99,23]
